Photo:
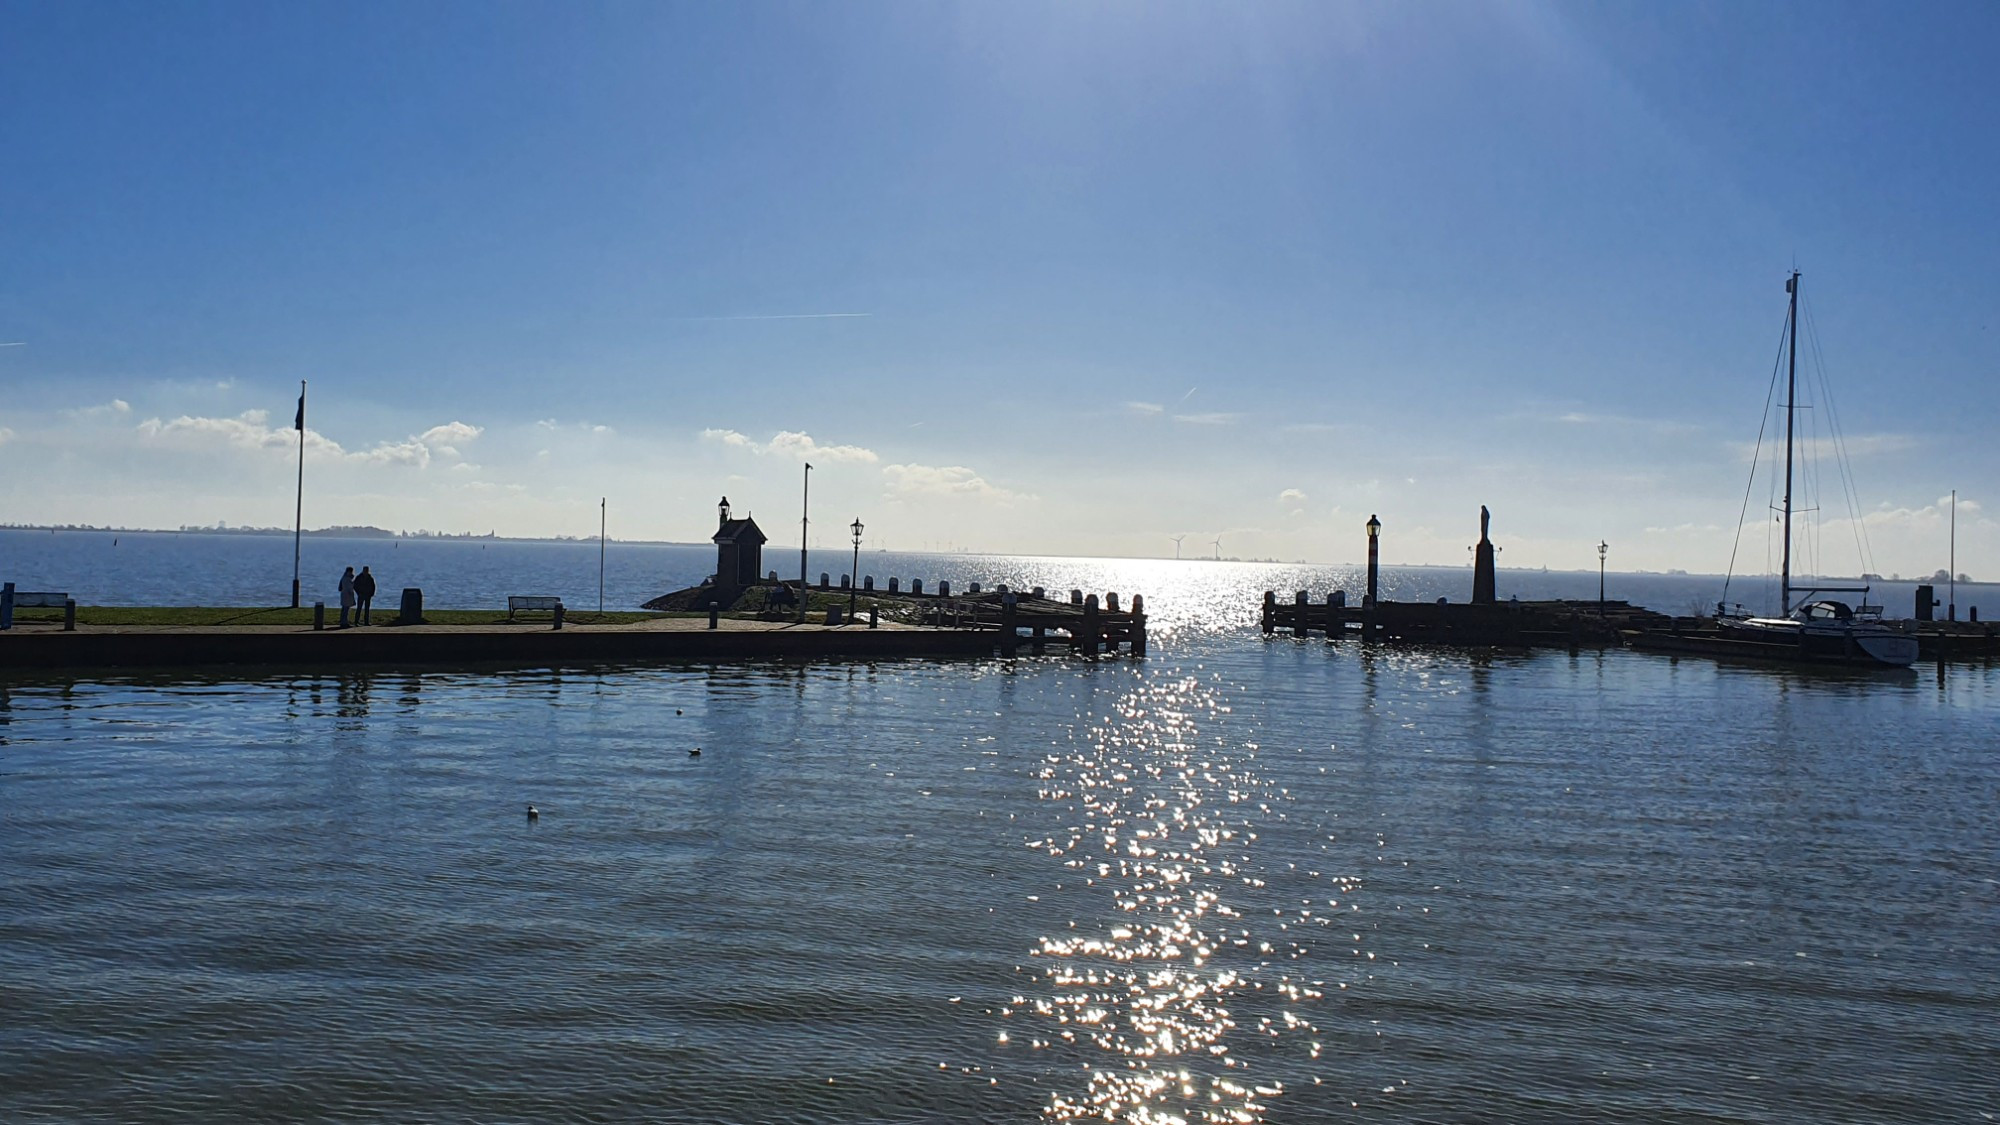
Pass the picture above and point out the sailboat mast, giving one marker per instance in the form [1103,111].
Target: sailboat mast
[1791,397]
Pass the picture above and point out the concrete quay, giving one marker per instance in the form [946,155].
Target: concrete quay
[40,647]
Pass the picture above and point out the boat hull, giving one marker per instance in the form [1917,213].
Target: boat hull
[1855,648]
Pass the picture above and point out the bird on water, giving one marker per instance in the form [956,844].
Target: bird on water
[695,753]
[534,813]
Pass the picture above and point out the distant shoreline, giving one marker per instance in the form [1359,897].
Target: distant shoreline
[340,533]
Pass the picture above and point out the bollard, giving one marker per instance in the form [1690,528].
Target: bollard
[846,580]
[868,582]
[319,616]
[1138,625]
[833,615]
[69,615]
[974,588]
[1038,591]
[1270,619]
[823,583]
[871,615]
[7,606]
[892,585]
[944,587]
[714,612]
[1299,611]
[1111,602]
[916,585]
[1076,597]
[1088,632]
[558,615]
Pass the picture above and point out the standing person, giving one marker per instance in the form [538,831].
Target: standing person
[364,594]
[346,594]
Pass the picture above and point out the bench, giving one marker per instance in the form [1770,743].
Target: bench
[518,604]
[12,599]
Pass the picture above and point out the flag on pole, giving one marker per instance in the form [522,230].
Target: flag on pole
[299,420]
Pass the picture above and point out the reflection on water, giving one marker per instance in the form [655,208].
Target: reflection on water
[1195,998]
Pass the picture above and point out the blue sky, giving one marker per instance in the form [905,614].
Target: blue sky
[1115,271]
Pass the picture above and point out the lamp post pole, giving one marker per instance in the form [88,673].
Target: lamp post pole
[1374,544]
[1602,548]
[854,578]
[805,501]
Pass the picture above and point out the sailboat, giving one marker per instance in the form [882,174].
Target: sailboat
[1810,628]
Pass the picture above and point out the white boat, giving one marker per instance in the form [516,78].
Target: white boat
[1812,629]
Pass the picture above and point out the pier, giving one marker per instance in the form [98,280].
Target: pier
[1509,624]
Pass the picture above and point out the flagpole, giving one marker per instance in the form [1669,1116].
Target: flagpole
[805,499]
[600,554]
[299,511]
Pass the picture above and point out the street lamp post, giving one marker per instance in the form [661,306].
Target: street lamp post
[854,578]
[1602,548]
[1374,543]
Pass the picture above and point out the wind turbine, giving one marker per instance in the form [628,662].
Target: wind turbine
[1177,545]
[1218,548]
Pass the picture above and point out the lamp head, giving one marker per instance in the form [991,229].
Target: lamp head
[1374,527]
[1602,547]
[856,528]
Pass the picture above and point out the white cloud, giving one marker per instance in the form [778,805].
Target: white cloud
[792,443]
[451,433]
[116,408]
[912,481]
[1146,409]
[586,427]
[1208,419]
[1859,445]
[6,435]
[251,430]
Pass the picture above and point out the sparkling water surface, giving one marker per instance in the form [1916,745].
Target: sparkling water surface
[1243,880]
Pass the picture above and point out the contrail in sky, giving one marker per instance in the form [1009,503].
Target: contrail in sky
[779,316]
[1190,394]
[14,344]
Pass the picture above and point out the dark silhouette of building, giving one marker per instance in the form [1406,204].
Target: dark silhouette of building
[739,550]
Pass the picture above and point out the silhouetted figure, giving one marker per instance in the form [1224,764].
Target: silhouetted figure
[346,595]
[364,595]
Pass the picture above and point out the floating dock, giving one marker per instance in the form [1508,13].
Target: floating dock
[1509,624]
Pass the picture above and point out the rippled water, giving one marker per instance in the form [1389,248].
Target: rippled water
[1244,880]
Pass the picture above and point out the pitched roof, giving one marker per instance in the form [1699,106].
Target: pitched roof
[740,531]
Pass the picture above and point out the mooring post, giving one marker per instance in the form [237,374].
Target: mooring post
[1009,640]
[1138,625]
[69,615]
[944,588]
[916,585]
[319,616]
[868,582]
[1076,597]
[1111,602]
[892,585]
[1270,610]
[823,580]
[1299,602]
[714,613]
[1092,625]
[1335,602]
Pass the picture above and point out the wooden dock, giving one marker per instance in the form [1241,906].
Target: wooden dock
[1508,624]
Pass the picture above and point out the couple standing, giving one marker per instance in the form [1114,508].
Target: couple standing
[356,588]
